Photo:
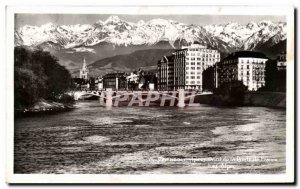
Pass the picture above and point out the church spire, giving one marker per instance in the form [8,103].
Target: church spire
[84,71]
[84,64]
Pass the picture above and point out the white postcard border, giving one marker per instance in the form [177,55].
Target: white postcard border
[151,178]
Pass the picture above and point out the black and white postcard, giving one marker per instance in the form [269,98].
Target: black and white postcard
[141,94]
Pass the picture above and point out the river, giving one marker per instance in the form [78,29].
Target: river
[136,140]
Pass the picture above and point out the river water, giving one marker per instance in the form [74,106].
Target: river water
[136,140]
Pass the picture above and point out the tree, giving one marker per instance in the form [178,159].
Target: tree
[231,93]
[37,74]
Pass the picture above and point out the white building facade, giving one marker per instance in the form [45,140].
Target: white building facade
[187,67]
[197,59]
[245,66]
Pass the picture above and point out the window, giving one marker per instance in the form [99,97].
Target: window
[192,77]
[192,63]
[193,68]
[198,77]
[192,82]
[187,77]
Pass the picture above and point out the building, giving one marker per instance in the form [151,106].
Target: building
[99,83]
[281,61]
[84,71]
[166,73]
[116,81]
[147,80]
[245,66]
[132,81]
[198,58]
[183,69]
[209,77]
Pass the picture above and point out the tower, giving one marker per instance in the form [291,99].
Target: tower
[84,71]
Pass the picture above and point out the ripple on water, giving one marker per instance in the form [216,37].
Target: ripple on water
[96,139]
[110,120]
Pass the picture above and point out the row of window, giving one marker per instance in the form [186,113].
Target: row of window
[193,77]
[255,61]
[192,82]
[203,55]
[193,73]
[193,68]
[198,63]
[203,50]
[204,59]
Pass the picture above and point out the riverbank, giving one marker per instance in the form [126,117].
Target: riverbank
[259,99]
[44,107]
[265,99]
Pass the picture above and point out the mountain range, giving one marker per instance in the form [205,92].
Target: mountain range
[115,37]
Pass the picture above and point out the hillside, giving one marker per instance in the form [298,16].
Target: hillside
[145,59]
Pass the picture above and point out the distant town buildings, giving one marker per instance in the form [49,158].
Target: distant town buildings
[183,69]
[196,67]
[245,66]
[116,81]
[83,73]
[281,61]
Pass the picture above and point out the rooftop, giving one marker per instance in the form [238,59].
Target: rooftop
[245,54]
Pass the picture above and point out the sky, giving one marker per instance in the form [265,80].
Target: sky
[70,19]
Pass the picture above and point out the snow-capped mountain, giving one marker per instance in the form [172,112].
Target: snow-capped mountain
[116,37]
[82,37]
[250,36]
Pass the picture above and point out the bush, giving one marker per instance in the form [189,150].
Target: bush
[231,93]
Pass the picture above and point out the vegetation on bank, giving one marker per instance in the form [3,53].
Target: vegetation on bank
[38,76]
[229,94]
[275,79]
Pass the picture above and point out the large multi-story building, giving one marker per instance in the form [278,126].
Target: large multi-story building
[198,58]
[166,73]
[245,66]
[183,69]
